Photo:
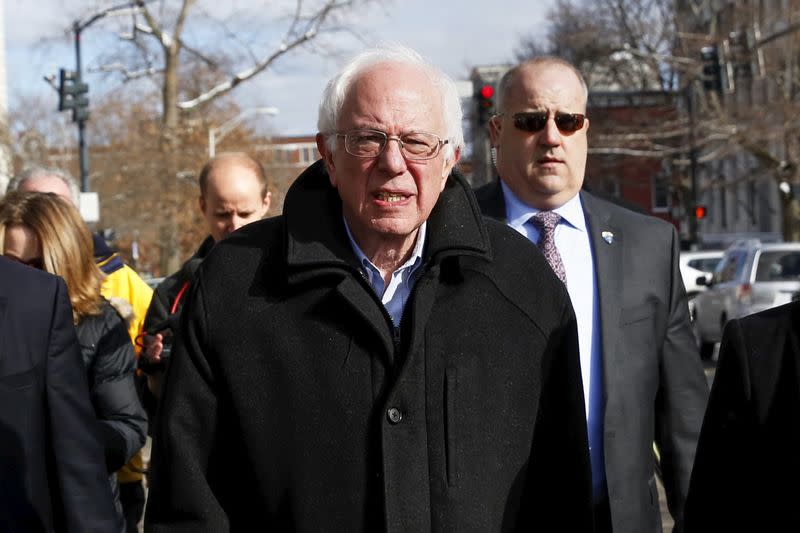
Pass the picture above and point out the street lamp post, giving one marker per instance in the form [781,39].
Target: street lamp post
[78,28]
[216,134]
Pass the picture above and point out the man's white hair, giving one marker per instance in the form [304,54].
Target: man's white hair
[39,172]
[336,91]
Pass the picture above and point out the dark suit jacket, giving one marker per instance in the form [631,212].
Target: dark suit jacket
[654,388]
[52,467]
[748,459]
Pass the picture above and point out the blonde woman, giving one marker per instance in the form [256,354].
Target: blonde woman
[44,231]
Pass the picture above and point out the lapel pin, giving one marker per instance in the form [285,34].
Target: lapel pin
[607,236]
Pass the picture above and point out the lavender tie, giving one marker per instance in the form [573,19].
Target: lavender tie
[547,221]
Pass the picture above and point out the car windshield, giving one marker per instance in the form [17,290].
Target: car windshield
[779,265]
[707,264]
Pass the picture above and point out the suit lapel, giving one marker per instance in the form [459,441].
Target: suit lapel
[608,258]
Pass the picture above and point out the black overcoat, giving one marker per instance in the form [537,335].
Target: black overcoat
[746,472]
[291,405]
[53,475]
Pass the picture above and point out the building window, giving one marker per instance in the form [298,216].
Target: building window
[659,190]
[610,186]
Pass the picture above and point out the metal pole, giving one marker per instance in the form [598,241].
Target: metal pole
[692,167]
[83,149]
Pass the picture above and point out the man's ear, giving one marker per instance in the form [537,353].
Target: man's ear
[495,126]
[447,167]
[267,202]
[327,157]
[201,203]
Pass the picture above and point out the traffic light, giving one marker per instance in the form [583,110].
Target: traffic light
[484,99]
[700,212]
[712,71]
[72,95]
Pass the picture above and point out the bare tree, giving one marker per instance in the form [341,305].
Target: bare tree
[621,44]
[656,44]
[193,58]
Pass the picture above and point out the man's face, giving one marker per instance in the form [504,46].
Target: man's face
[385,199]
[52,184]
[544,169]
[232,199]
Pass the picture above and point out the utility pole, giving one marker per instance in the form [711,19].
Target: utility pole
[692,213]
[72,90]
[81,117]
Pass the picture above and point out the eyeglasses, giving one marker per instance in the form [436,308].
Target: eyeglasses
[534,121]
[415,146]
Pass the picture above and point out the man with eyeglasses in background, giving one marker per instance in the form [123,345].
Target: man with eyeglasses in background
[642,377]
[377,358]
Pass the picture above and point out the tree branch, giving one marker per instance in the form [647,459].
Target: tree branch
[154,27]
[127,75]
[292,40]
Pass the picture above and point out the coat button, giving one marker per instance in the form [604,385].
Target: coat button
[394,415]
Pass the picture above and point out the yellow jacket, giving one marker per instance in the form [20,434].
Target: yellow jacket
[125,284]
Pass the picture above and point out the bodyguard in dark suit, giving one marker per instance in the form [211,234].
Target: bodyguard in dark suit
[748,459]
[642,377]
[52,466]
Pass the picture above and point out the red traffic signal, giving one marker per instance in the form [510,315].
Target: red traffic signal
[484,103]
[700,212]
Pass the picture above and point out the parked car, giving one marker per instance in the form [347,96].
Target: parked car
[697,264]
[752,276]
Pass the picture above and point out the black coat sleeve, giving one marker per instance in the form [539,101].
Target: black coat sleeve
[122,418]
[183,493]
[85,494]
[559,477]
[158,311]
[721,480]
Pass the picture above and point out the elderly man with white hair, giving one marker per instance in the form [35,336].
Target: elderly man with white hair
[379,357]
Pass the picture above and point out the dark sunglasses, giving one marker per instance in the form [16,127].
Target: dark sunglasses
[534,121]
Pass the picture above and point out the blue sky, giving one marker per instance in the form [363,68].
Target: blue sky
[456,36]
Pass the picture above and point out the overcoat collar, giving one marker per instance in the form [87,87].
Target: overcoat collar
[317,244]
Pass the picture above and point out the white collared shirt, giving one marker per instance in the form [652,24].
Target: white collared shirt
[395,295]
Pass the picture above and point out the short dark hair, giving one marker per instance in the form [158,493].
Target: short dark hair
[232,158]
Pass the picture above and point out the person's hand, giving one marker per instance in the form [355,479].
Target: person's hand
[153,346]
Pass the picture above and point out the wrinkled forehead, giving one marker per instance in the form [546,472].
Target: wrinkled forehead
[390,91]
[48,183]
[233,178]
